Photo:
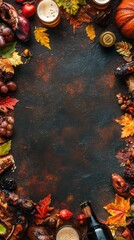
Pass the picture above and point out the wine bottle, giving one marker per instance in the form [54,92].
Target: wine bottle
[95,229]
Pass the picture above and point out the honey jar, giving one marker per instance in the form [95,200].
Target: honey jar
[101,4]
[49,13]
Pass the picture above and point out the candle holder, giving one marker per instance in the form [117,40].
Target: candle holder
[49,13]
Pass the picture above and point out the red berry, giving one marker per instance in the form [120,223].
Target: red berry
[65,214]
[81,217]
[28,10]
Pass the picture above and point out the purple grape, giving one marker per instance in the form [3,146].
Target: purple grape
[6,31]
[2,41]
[11,86]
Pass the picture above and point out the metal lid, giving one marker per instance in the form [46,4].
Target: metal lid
[85,204]
[107,39]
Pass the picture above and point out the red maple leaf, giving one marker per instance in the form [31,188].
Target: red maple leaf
[7,103]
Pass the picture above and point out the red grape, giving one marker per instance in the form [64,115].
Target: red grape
[2,131]
[4,124]
[6,31]
[9,127]
[11,86]
[10,120]
[4,88]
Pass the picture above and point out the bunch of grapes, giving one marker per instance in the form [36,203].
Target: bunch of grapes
[5,87]
[129,173]
[6,34]
[6,126]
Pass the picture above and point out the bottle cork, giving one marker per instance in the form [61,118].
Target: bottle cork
[107,39]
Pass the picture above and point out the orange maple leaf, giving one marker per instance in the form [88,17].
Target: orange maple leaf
[128,125]
[119,211]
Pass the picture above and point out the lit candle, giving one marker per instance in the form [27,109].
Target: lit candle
[49,13]
[101,4]
[67,233]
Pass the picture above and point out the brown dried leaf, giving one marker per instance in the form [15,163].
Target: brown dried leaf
[91,32]
[123,48]
[82,17]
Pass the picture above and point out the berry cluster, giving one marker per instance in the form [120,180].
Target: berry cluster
[126,103]
[129,173]
[6,35]
[6,126]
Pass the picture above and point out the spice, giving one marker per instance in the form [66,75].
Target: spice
[107,39]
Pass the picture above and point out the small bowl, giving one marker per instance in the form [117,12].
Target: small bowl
[49,13]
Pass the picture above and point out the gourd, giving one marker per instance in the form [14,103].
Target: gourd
[124,18]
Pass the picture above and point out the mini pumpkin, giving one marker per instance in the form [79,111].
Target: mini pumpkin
[124,18]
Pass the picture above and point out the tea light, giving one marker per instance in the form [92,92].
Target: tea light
[49,13]
[101,4]
[67,233]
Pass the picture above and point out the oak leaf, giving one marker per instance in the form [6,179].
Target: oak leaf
[119,211]
[7,103]
[91,32]
[15,59]
[43,208]
[42,37]
[128,125]
[5,148]
[123,48]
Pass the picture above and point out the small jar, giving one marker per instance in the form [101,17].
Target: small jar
[49,13]
[107,39]
[101,4]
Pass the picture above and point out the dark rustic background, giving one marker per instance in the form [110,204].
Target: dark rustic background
[65,138]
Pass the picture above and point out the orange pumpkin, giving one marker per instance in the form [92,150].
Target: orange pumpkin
[124,18]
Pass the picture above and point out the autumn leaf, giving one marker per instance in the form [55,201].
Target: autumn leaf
[82,17]
[42,37]
[128,125]
[91,32]
[7,103]
[5,148]
[123,48]
[7,50]
[119,211]
[5,66]
[71,6]
[43,208]
[15,59]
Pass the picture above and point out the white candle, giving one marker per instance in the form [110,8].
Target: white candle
[67,233]
[47,11]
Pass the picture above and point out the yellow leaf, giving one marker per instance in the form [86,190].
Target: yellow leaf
[128,125]
[91,32]
[42,37]
[123,48]
[15,60]
[119,211]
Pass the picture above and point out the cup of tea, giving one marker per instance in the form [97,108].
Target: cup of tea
[49,13]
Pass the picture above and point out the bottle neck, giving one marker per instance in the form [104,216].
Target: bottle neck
[90,216]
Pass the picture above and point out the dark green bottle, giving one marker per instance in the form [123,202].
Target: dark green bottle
[95,229]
